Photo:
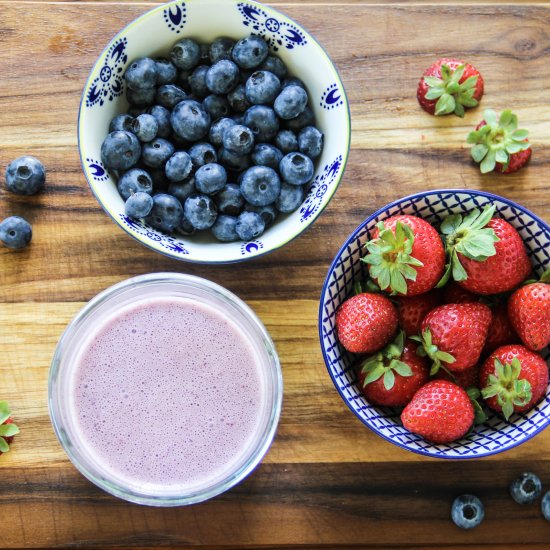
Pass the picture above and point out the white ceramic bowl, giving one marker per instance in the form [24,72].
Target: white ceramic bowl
[496,435]
[153,34]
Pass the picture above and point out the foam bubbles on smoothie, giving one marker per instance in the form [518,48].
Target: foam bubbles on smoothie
[169,393]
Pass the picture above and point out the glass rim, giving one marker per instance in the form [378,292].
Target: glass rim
[265,436]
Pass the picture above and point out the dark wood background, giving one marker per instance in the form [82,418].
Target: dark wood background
[327,480]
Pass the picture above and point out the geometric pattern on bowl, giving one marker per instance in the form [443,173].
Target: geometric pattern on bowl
[153,34]
[496,435]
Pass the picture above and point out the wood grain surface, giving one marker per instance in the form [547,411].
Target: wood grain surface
[327,480]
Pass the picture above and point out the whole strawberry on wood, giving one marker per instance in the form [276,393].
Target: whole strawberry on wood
[366,322]
[513,379]
[7,428]
[449,86]
[405,255]
[393,375]
[497,143]
[485,255]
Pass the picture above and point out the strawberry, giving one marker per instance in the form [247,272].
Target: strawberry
[393,375]
[440,412]
[466,379]
[412,310]
[7,428]
[405,255]
[453,335]
[513,379]
[529,313]
[497,143]
[449,86]
[486,255]
[501,331]
[455,294]
[366,322]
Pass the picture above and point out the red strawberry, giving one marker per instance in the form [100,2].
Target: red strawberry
[449,86]
[7,428]
[412,310]
[486,254]
[405,255]
[501,332]
[392,376]
[529,313]
[440,412]
[498,145]
[455,294]
[366,322]
[513,379]
[466,379]
[453,335]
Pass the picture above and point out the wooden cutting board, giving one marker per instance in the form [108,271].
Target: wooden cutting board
[327,479]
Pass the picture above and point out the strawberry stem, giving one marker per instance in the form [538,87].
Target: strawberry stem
[429,349]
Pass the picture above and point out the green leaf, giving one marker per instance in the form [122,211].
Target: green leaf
[507,409]
[467,101]
[4,447]
[545,276]
[451,224]
[485,217]
[446,357]
[4,416]
[479,151]
[458,73]
[470,83]
[445,105]
[446,72]
[489,391]
[520,135]
[501,156]
[459,109]
[452,88]
[477,245]
[474,137]
[459,273]
[473,393]
[434,93]
[434,82]
[490,117]
[8,430]
[479,414]
[517,146]
[489,162]
[505,118]
[389,379]
[401,368]
[374,375]
[446,276]
[397,282]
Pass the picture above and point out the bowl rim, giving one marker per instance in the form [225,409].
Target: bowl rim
[302,229]
[351,237]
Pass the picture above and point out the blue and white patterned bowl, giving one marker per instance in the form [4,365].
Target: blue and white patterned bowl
[153,34]
[496,435]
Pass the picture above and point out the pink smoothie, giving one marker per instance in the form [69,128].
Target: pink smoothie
[168,394]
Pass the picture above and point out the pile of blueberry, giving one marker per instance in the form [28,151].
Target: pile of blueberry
[24,176]
[217,137]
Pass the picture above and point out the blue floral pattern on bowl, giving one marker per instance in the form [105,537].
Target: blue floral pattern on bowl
[496,435]
[97,170]
[175,16]
[332,97]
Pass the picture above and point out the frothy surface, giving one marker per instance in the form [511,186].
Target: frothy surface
[168,394]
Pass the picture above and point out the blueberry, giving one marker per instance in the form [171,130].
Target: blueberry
[190,120]
[182,189]
[237,99]
[262,121]
[216,105]
[121,122]
[166,71]
[141,98]
[162,116]
[265,154]
[217,130]
[145,127]
[293,81]
[25,176]
[310,141]
[178,166]
[290,198]
[274,65]
[296,168]
[210,178]
[305,118]
[222,77]
[120,150]
[138,205]
[238,119]
[238,139]
[157,152]
[249,226]
[197,82]
[467,511]
[185,227]
[135,180]
[201,211]
[202,153]
[141,74]
[262,87]
[260,185]
[169,95]
[166,213]
[545,506]
[229,200]
[185,54]
[250,52]
[267,212]
[220,49]
[134,111]
[286,141]
[15,232]
[290,102]
[233,161]
[225,228]
[526,488]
